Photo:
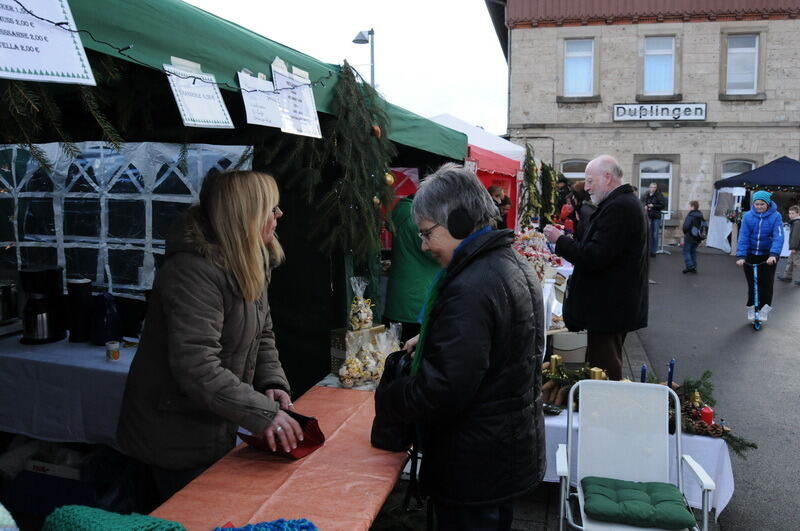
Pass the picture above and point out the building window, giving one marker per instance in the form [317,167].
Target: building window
[574,170]
[732,168]
[659,172]
[742,64]
[579,67]
[659,66]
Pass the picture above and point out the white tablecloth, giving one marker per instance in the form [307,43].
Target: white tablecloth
[712,454]
[62,391]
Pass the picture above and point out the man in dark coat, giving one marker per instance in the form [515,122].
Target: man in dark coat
[654,203]
[475,391]
[607,292]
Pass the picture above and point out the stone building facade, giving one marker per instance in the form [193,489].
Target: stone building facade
[682,99]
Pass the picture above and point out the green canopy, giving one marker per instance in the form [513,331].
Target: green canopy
[161,29]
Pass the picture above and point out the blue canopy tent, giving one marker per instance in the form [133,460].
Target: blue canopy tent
[780,174]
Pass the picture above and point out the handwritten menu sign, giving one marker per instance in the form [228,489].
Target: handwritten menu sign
[34,50]
[198,99]
[296,102]
[262,106]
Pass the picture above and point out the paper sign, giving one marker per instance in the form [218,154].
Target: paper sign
[296,103]
[34,50]
[261,107]
[198,99]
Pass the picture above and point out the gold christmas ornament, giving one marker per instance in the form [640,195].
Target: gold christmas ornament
[388,178]
[376,131]
[375,200]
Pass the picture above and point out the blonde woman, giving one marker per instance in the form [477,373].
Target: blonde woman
[207,361]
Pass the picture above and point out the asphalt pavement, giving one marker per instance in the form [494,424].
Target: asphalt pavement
[700,320]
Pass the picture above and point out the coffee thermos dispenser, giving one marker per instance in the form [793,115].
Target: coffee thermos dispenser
[44,314]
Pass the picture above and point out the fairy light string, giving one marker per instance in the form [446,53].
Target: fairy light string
[122,50]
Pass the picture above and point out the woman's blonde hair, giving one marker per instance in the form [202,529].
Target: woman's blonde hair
[235,205]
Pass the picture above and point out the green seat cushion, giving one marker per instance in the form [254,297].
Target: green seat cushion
[654,504]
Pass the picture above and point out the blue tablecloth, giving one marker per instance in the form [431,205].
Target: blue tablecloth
[62,391]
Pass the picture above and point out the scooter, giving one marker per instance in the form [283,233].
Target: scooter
[757,314]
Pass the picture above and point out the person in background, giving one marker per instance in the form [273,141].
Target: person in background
[505,208]
[562,189]
[607,293]
[760,242]
[792,271]
[411,273]
[207,362]
[654,203]
[694,220]
[503,204]
[584,208]
[475,384]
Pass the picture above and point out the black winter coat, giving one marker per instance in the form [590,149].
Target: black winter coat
[657,204]
[477,396]
[608,290]
[693,219]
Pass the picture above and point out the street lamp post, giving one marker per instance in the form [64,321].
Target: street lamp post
[365,37]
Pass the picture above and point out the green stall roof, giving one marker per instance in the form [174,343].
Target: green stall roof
[161,29]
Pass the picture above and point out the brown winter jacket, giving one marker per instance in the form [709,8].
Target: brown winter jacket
[205,358]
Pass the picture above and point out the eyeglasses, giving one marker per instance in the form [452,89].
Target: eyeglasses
[425,235]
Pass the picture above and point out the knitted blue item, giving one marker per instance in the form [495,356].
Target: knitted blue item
[276,525]
[763,195]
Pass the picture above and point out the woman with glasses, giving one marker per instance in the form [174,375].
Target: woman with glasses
[207,361]
[474,392]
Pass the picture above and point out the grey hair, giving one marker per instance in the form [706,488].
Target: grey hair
[450,187]
[607,163]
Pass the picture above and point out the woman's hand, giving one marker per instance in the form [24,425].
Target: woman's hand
[284,430]
[772,260]
[740,262]
[281,397]
[411,344]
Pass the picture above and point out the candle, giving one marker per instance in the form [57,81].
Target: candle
[707,415]
[671,372]
[596,373]
[556,361]
[644,374]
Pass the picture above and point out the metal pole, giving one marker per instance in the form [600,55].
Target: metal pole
[372,57]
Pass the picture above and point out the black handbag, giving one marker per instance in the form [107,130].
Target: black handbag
[389,434]
[398,436]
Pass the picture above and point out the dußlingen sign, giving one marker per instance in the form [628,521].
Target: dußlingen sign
[625,112]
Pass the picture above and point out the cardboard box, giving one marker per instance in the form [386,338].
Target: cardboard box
[344,341]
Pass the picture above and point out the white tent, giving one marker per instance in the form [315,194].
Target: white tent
[481,138]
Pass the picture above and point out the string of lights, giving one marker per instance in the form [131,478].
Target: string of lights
[123,51]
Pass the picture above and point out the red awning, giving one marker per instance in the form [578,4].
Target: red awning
[491,162]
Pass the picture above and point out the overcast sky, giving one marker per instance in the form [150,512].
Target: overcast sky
[431,56]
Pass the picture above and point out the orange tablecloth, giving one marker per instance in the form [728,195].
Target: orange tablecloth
[340,486]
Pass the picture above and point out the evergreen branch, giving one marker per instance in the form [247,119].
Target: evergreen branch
[39,156]
[183,158]
[739,445]
[28,97]
[703,386]
[110,135]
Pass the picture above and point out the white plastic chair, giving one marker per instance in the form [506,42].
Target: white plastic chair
[623,434]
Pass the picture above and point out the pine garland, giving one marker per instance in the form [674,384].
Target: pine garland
[530,197]
[549,195]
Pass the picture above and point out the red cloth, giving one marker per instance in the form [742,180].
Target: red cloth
[340,486]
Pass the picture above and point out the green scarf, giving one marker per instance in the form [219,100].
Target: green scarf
[433,294]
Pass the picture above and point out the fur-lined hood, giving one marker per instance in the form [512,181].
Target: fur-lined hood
[188,235]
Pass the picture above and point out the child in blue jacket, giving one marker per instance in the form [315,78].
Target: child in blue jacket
[760,242]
